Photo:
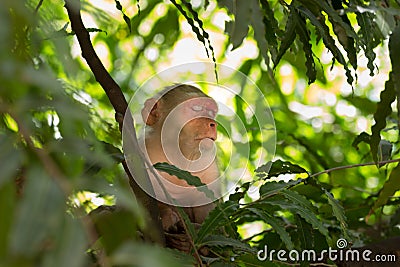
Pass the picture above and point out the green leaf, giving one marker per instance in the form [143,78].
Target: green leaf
[189,225]
[278,167]
[305,39]
[239,28]
[259,29]
[389,188]
[289,35]
[272,188]
[187,176]
[118,5]
[305,233]
[334,16]
[272,25]
[138,6]
[384,151]
[362,137]
[312,219]
[223,241]
[228,4]
[394,51]
[240,108]
[383,110]
[124,16]
[127,21]
[95,30]
[296,207]
[276,224]
[40,214]
[344,39]
[198,29]
[205,34]
[295,197]
[368,42]
[338,212]
[323,29]
[216,218]
[394,44]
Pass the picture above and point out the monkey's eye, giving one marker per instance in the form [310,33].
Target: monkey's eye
[197,108]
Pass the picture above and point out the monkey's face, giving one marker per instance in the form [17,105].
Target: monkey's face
[199,117]
[193,123]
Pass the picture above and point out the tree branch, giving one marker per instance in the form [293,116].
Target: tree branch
[112,89]
[118,101]
[353,166]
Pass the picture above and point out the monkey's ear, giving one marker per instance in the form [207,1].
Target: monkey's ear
[150,111]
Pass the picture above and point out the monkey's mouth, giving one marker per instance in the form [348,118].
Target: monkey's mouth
[207,137]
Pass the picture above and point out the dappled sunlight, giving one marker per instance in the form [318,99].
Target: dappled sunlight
[299,142]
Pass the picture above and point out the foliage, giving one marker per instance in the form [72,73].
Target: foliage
[61,147]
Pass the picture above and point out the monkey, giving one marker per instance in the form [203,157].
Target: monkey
[181,130]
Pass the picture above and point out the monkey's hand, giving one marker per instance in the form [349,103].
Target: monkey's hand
[181,242]
[178,241]
[169,219]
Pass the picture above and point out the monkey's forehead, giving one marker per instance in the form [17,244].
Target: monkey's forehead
[206,102]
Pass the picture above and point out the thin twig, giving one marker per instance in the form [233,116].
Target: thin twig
[354,166]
